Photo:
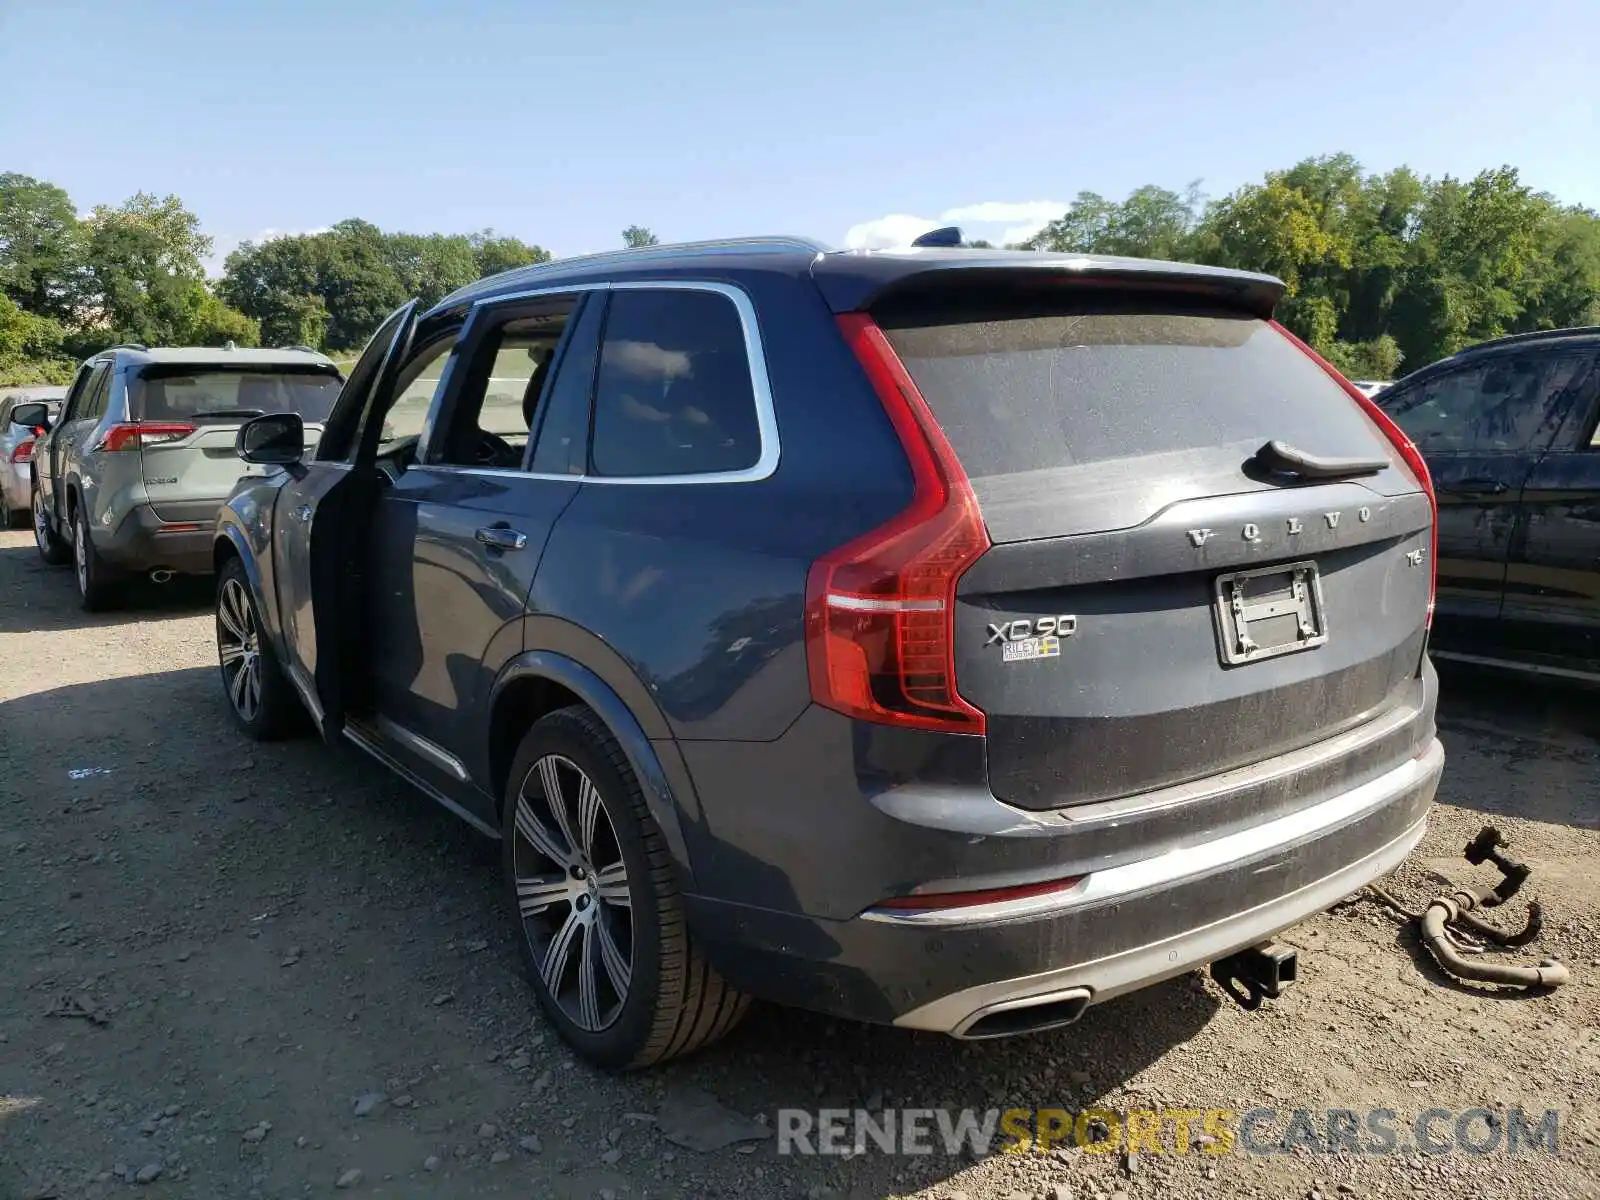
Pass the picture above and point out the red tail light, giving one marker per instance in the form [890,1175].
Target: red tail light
[138,434]
[1407,449]
[23,452]
[880,611]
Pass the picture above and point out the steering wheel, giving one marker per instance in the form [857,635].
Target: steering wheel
[494,451]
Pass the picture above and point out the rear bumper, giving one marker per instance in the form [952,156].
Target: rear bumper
[1341,816]
[15,484]
[177,541]
[1407,790]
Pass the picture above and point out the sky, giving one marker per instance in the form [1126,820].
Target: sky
[860,123]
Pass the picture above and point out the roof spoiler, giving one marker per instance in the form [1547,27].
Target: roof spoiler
[852,282]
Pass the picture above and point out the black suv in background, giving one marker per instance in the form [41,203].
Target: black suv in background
[1508,429]
[947,638]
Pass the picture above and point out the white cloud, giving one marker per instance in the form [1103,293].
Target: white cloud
[998,221]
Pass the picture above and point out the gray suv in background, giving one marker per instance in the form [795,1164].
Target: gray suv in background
[129,480]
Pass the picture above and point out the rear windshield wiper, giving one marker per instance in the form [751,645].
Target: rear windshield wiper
[228,412]
[1289,460]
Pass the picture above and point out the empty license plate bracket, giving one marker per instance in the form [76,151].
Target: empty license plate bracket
[1269,611]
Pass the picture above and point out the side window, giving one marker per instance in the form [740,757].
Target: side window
[418,382]
[95,406]
[562,430]
[1512,402]
[77,405]
[338,442]
[673,394]
[494,408]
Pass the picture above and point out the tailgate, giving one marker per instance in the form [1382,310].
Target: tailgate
[198,467]
[191,415]
[1159,605]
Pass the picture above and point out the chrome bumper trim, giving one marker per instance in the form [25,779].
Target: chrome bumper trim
[1188,862]
[1143,965]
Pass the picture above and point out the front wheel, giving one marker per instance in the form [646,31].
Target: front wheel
[52,548]
[591,882]
[263,705]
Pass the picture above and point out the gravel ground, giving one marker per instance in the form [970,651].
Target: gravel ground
[235,971]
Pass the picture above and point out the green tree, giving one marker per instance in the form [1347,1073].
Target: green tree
[497,254]
[30,347]
[40,251]
[1152,222]
[1377,359]
[332,289]
[143,280]
[361,286]
[635,236]
[279,284]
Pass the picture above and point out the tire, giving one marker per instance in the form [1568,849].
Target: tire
[97,582]
[670,1002]
[51,547]
[263,704]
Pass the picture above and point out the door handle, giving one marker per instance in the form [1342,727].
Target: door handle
[500,537]
[1479,484]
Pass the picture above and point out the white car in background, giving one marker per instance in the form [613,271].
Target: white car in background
[16,447]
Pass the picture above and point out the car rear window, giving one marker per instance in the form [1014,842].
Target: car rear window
[209,395]
[1028,391]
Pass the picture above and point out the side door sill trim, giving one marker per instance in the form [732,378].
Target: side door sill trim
[420,746]
[1511,664]
[360,739]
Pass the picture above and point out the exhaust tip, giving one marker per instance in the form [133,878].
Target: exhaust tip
[1030,1014]
[160,575]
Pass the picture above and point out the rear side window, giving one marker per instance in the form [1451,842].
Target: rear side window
[1018,392]
[673,393]
[1511,402]
[94,407]
[209,395]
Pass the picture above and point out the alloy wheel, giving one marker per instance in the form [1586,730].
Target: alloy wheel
[572,892]
[239,647]
[80,555]
[41,523]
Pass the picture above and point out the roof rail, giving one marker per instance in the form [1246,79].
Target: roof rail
[127,346]
[302,348]
[1534,335]
[778,244]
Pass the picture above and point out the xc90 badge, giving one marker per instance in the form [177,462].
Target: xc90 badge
[1025,639]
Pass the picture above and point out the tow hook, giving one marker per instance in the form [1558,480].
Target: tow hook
[1257,974]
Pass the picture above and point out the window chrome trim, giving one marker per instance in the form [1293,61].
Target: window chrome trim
[755,354]
[495,472]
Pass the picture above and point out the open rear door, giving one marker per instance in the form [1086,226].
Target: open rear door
[322,516]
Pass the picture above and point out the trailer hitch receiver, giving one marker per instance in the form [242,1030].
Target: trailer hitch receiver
[1257,974]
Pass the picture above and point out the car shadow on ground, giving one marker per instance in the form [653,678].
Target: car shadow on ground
[1543,733]
[355,863]
[37,597]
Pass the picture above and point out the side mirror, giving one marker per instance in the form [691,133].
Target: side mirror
[275,440]
[34,416]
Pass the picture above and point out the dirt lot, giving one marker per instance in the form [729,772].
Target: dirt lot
[235,971]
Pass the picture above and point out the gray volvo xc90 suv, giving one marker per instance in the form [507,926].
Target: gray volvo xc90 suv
[129,478]
[947,638]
